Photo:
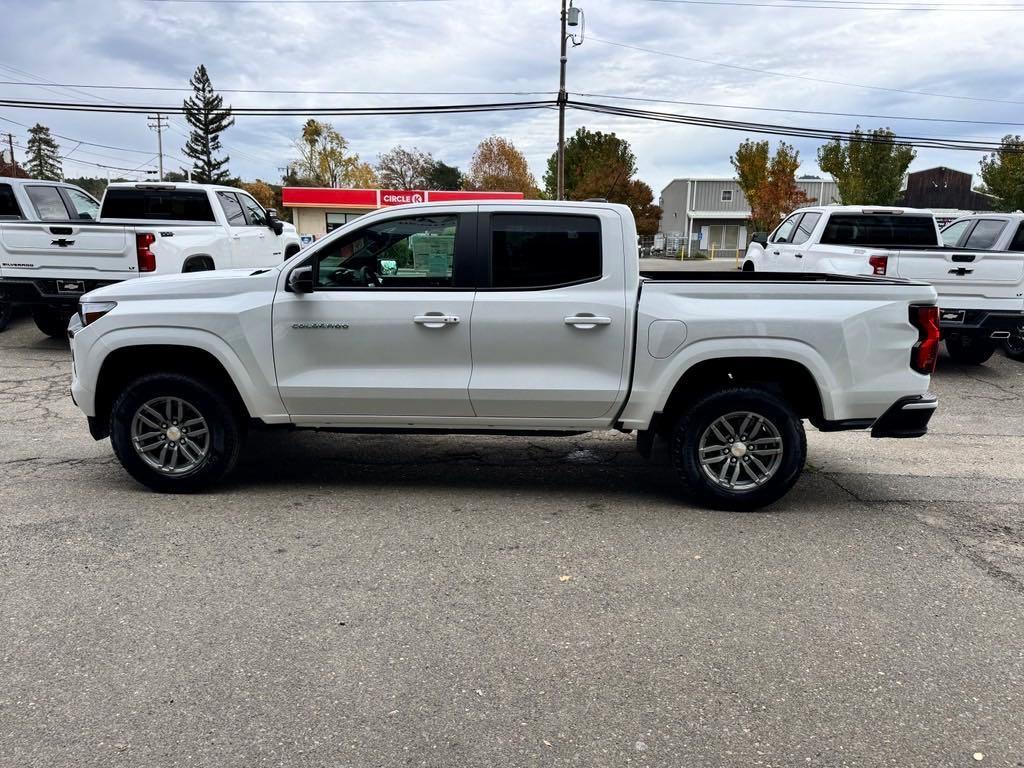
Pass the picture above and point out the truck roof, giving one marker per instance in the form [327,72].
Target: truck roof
[187,185]
[898,210]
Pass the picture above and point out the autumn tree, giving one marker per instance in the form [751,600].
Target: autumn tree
[402,168]
[43,154]
[262,192]
[603,165]
[324,160]
[1003,174]
[209,118]
[869,168]
[498,166]
[768,181]
[444,176]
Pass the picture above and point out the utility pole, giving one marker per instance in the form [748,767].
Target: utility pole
[571,17]
[158,123]
[10,143]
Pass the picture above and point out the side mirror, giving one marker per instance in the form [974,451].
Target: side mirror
[272,213]
[301,280]
[761,238]
[277,226]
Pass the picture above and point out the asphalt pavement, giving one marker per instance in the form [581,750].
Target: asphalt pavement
[488,601]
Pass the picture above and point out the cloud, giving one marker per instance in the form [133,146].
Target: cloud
[462,45]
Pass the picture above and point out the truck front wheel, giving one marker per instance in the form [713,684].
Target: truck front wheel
[52,322]
[175,434]
[969,350]
[738,449]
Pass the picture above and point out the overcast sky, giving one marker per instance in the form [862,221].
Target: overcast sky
[473,45]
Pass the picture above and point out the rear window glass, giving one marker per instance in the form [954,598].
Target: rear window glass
[48,203]
[8,204]
[543,251]
[879,230]
[985,234]
[1018,239]
[157,204]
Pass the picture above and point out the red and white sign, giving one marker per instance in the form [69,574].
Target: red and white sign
[324,197]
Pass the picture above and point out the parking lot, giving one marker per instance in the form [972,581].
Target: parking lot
[499,601]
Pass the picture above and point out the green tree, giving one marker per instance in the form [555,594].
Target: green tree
[869,168]
[324,160]
[43,157]
[209,118]
[91,184]
[768,181]
[603,165]
[1003,174]
[402,168]
[444,176]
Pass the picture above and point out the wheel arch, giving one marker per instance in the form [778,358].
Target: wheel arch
[204,259]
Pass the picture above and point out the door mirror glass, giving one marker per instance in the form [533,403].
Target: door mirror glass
[301,280]
[277,226]
[761,238]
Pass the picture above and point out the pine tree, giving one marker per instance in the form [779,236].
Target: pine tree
[43,160]
[206,113]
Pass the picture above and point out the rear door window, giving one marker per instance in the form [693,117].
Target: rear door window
[880,230]
[232,209]
[951,235]
[533,251]
[48,203]
[985,234]
[156,204]
[8,203]
[806,227]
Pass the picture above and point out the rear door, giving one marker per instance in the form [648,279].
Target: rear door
[550,324]
[63,243]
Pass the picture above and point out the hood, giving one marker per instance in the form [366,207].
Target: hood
[218,282]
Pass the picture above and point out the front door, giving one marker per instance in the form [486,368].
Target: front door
[386,330]
[549,333]
[248,244]
[781,251]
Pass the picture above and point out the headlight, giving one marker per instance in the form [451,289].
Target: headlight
[91,311]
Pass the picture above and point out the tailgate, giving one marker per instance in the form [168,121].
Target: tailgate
[963,277]
[89,250]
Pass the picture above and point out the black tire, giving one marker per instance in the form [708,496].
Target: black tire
[52,322]
[6,312]
[1014,346]
[200,264]
[690,429]
[969,350]
[225,427]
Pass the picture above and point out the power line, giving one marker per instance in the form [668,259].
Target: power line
[1010,124]
[288,91]
[791,4]
[91,143]
[802,77]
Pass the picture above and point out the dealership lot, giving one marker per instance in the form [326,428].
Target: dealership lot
[479,601]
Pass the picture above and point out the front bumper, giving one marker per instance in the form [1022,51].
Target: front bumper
[907,417]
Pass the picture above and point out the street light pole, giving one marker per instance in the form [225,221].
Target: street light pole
[562,98]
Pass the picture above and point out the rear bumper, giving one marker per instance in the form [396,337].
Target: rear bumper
[907,417]
[47,291]
[974,321]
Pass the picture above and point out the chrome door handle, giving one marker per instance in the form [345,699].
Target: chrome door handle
[436,320]
[586,322]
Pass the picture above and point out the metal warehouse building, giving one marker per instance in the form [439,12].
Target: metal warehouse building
[712,213]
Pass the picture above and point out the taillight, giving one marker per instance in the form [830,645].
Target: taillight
[925,353]
[879,264]
[147,259]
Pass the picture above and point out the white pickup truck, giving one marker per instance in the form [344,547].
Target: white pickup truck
[508,318]
[55,246]
[981,292]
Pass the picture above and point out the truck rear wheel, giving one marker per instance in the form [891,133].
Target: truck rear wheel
[969,350]
[738,449]
[174,433]
[6,311]
[52,322]
[1014,346]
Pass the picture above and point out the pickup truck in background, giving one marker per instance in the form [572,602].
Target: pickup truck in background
[993,232]
[981,292]
[518,317]
[57,243]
